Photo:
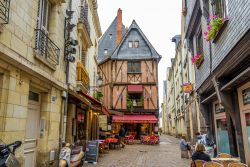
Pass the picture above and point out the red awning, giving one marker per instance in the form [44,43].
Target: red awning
[92,99]
[95,102]
[135,119]
[135,88]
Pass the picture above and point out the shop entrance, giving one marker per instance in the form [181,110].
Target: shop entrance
[222,138]
[244,103]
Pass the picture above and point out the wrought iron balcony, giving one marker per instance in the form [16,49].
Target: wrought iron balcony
[46,48]
[84,16]
[4,11]
[82,77]
[83,27]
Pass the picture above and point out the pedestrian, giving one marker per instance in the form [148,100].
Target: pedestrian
[185,147]
[199,153]
[197,137]
[160,131]
[122,136]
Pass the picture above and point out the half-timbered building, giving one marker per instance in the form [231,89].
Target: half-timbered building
[128,64]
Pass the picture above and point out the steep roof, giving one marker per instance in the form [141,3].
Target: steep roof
[144,51]
[108,41]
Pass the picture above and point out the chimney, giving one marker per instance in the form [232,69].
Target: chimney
[119,26]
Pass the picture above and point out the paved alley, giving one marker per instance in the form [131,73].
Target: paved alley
[167,154]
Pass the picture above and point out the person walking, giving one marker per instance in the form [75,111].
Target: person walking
[122,136]
[185,148]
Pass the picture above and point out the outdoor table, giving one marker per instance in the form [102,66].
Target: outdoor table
[225,160]
[111,142]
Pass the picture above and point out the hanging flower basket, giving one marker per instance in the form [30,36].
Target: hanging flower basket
[214,25]
[198,59]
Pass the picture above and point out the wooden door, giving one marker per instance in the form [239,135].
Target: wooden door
[244,103]
[32,130]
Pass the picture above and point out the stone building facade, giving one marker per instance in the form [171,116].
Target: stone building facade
[32,78]
[33,82]
[222,79]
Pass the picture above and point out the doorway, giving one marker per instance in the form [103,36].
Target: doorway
[32,126]
[244,103]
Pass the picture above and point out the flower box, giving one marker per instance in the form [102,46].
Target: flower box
[198,60]
[215,25]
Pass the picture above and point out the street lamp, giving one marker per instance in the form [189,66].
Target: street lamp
[99,80]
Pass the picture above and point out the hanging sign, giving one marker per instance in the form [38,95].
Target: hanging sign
[187,88]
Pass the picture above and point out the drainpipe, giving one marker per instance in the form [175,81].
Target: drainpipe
[65,97]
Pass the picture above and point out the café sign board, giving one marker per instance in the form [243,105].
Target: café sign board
[187,88]
[246,96]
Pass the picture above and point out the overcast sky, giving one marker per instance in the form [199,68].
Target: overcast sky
[160,20]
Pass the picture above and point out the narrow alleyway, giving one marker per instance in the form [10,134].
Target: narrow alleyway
[167,154]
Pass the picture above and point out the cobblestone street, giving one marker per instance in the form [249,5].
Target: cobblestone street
[167,154]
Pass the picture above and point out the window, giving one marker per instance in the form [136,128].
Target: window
[105,51]
[134,67]
[110,36]
[133,44]
[44,14]
[130,44]
[83,58]
[199,42]
[136,44]
[220,8]
[33,96]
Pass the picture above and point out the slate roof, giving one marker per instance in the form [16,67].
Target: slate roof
[122,51]
[109,42]
[144,51]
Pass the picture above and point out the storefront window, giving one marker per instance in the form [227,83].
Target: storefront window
[222,136]
[248,129]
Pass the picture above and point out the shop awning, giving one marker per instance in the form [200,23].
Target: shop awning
[135,88]
[90,98]
[79,97]
[135,119]
[93,101]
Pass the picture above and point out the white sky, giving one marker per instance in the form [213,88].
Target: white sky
[160,20]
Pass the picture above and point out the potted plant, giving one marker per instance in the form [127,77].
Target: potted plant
[214,25]
[130,106]
[140,102]
[98,95]
[198,59]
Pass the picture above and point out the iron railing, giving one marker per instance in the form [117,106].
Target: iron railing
[84,16]
[46,47]
[4,11]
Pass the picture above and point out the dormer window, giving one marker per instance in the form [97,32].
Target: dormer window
[130,44]
[136,44]
[110,36]
[105,51]
[133,44]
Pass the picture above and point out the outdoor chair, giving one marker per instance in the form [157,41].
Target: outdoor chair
[224,155]
[154,139]
[199,163]
[212,164]
[237,164]
[130,139]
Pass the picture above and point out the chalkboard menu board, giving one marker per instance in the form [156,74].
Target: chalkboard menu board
[92,151]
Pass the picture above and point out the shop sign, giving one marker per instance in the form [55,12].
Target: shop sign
[187,88]
[246,96]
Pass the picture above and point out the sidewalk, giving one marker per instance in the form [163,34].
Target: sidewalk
[166,154]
